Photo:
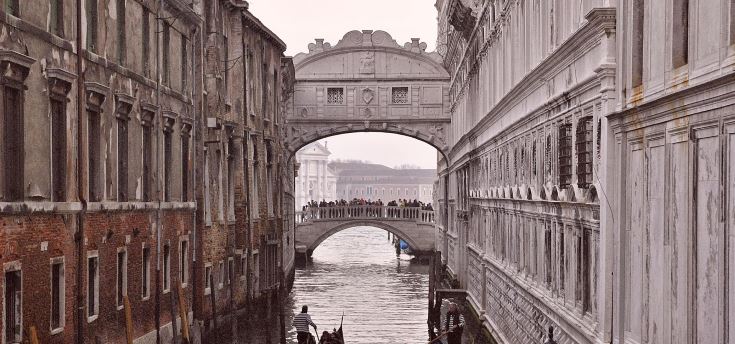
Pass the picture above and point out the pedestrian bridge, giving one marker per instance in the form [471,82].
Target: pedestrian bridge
[412,224]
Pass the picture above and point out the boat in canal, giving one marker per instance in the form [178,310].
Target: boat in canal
[336,337]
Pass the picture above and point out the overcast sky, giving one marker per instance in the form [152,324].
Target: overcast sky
[388,149]
[298,22]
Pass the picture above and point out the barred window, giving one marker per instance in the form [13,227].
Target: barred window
[335,95]
[584,152]
[399,95]
[565,155]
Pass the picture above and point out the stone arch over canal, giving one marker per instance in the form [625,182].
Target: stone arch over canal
[413,225]
[368,82]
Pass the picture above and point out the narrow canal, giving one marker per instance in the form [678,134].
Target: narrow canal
[384,298]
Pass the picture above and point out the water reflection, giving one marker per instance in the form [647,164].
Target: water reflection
[384,299]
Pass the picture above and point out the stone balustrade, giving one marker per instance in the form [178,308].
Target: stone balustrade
[364,212]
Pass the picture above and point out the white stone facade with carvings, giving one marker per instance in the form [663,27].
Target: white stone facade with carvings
[591,169]
[368,82]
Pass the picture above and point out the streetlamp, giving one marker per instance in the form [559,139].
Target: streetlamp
[550,336]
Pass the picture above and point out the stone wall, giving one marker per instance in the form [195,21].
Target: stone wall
[118,166]
[522,229]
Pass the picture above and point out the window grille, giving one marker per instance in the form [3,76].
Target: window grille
[335,95]
[399,95]
[584,152]
[565,155]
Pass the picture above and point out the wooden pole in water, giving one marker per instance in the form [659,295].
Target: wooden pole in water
[184,314]
[174,328]
[128,320]
[34,335]
[214,308]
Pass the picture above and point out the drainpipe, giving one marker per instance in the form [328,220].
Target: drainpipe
[79,234]
[159,30]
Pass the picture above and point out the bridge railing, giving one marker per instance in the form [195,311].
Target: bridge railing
[364,212]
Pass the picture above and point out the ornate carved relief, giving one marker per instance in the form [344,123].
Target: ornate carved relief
[367,62]
[368,95]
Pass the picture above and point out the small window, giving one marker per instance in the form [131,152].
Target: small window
[184,262]
[399,95]
[146,41]
[93,142]
[166,68]
[121,32]
[221,275]
[167,159]
[243,266]
[56,24]
[147,158]
[335,95]
[220,188]
[584,152]
[122,159]
[231,180]
[122,278]
[12,7]
[13,139]
[565,155]
[230,269]
[184,63]
[13,306]
[185,137]
[91,7]
[58,148]
[166,268]
[145,289]
[93,307]
[208,279]
[57,294]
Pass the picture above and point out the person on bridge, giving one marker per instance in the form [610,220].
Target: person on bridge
[454,324]
[302,321]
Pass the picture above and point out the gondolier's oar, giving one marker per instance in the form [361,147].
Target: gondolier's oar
[437,338]
[441,336]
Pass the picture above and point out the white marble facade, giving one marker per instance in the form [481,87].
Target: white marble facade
[314,179]
[590,178]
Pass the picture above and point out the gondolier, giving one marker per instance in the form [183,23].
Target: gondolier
[454,324]
[302,321]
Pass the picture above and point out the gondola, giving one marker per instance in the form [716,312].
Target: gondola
[336,337]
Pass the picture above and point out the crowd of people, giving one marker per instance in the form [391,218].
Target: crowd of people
[360,207]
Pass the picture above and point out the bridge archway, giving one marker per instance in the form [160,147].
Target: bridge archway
[412,224]
[368,82]
[363,223]
[310,140]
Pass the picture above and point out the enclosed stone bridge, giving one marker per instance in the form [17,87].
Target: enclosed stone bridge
[413,225]
[368,82]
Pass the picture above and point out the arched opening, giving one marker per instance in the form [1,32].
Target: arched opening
[306,139]
[377,224]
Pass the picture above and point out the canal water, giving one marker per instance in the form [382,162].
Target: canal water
[356,272]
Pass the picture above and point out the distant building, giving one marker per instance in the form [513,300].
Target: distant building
[314,180]
[375,181]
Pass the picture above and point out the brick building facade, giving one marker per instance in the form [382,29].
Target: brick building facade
[130,135]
